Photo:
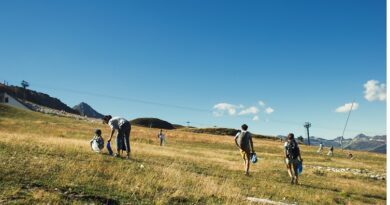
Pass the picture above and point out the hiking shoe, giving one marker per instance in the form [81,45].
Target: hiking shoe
[292,180]
[296,182]
[117,155]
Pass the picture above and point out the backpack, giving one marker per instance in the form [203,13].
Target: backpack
[243,142]
[292,149]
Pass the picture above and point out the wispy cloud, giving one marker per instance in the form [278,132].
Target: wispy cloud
[224,108]
[248,111]
[221,108]
[261,103]
[269,110]
[346,107]
[374,91]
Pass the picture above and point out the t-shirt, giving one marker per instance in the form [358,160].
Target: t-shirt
[285,145]
[116,122]
[97,143]
[161,136]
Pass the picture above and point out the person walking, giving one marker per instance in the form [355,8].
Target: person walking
[244,142]
[320,148]
[161,136]
[292,153]
[123,128]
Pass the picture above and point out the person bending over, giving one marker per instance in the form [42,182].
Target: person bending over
[123,128]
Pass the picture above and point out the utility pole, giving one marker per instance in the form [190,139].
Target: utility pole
[307,125]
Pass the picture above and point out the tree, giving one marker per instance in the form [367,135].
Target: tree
[25,84]
[300,139]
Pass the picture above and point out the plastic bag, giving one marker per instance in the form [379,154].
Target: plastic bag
[299,168]
[253,158]
[110,152]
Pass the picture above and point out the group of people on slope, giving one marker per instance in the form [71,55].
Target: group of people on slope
[243,141]
[122,127]
[119,125]
[292,153]
[321,147]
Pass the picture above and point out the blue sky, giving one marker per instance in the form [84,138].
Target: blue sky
[303,59]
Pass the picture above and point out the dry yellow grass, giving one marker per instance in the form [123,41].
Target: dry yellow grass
[47,159]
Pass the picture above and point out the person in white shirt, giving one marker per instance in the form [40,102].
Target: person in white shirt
[320,148]
[123,128]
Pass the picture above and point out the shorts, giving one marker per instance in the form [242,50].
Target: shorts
[291,161]
[243,154]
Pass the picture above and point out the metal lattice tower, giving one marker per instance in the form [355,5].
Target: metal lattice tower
[307,125]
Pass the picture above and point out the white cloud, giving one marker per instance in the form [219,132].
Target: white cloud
[374,91]
[222,108]
[346,107]
[261,103]
[250,110]
[269,110]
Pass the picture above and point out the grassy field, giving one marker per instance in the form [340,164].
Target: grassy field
[47,159]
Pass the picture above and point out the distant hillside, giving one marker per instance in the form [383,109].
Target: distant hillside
[152,123]
[177,126]
[379,149]
[37,98]
[86,110]
[363,142]
[360,142]
[225,131]
[315,141]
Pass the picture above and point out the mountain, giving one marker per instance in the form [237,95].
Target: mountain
[363,142]
[315,141]
[359,142]
[37,98]
[87,110]
[361,137]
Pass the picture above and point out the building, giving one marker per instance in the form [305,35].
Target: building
[7,99]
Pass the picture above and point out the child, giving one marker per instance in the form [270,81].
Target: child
[97,142]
